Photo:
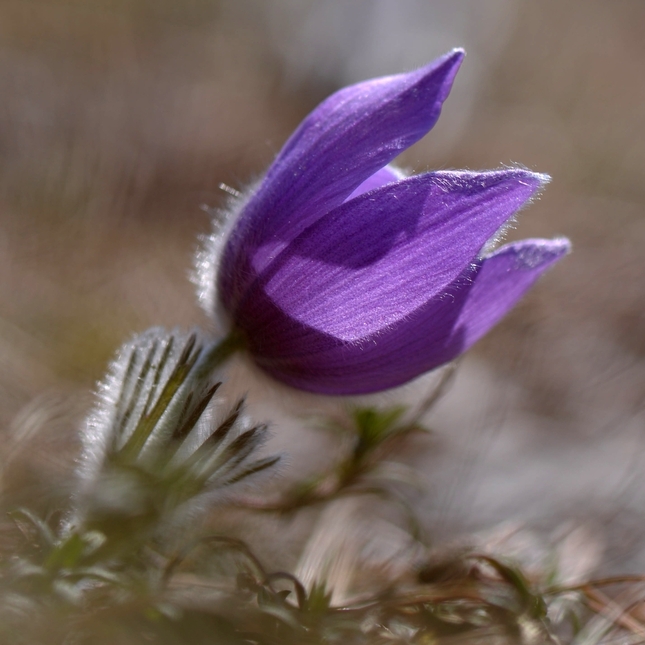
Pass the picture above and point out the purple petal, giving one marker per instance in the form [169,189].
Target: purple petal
[344,141]
[436,333]
[382,177]
[379,257]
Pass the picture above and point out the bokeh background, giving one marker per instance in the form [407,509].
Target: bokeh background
[120,119]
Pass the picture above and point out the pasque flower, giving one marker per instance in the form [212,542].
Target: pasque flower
[344,276]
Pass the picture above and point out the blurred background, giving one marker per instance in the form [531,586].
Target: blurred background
[119,120]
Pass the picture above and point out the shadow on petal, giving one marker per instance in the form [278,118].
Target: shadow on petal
[378,258]
[434,334]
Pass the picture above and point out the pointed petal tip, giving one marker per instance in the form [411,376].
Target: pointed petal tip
[457,54]
[537,179]
[536,182]
[448,64]
[536,253]
[556,249]
[549,250]
[562,244]
[514,178]
[441,72]
[540,178]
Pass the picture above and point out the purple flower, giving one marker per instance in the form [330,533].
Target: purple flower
[344,276]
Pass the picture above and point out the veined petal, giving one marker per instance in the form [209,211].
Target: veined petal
[344,141]
[376,259]
[436,333]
